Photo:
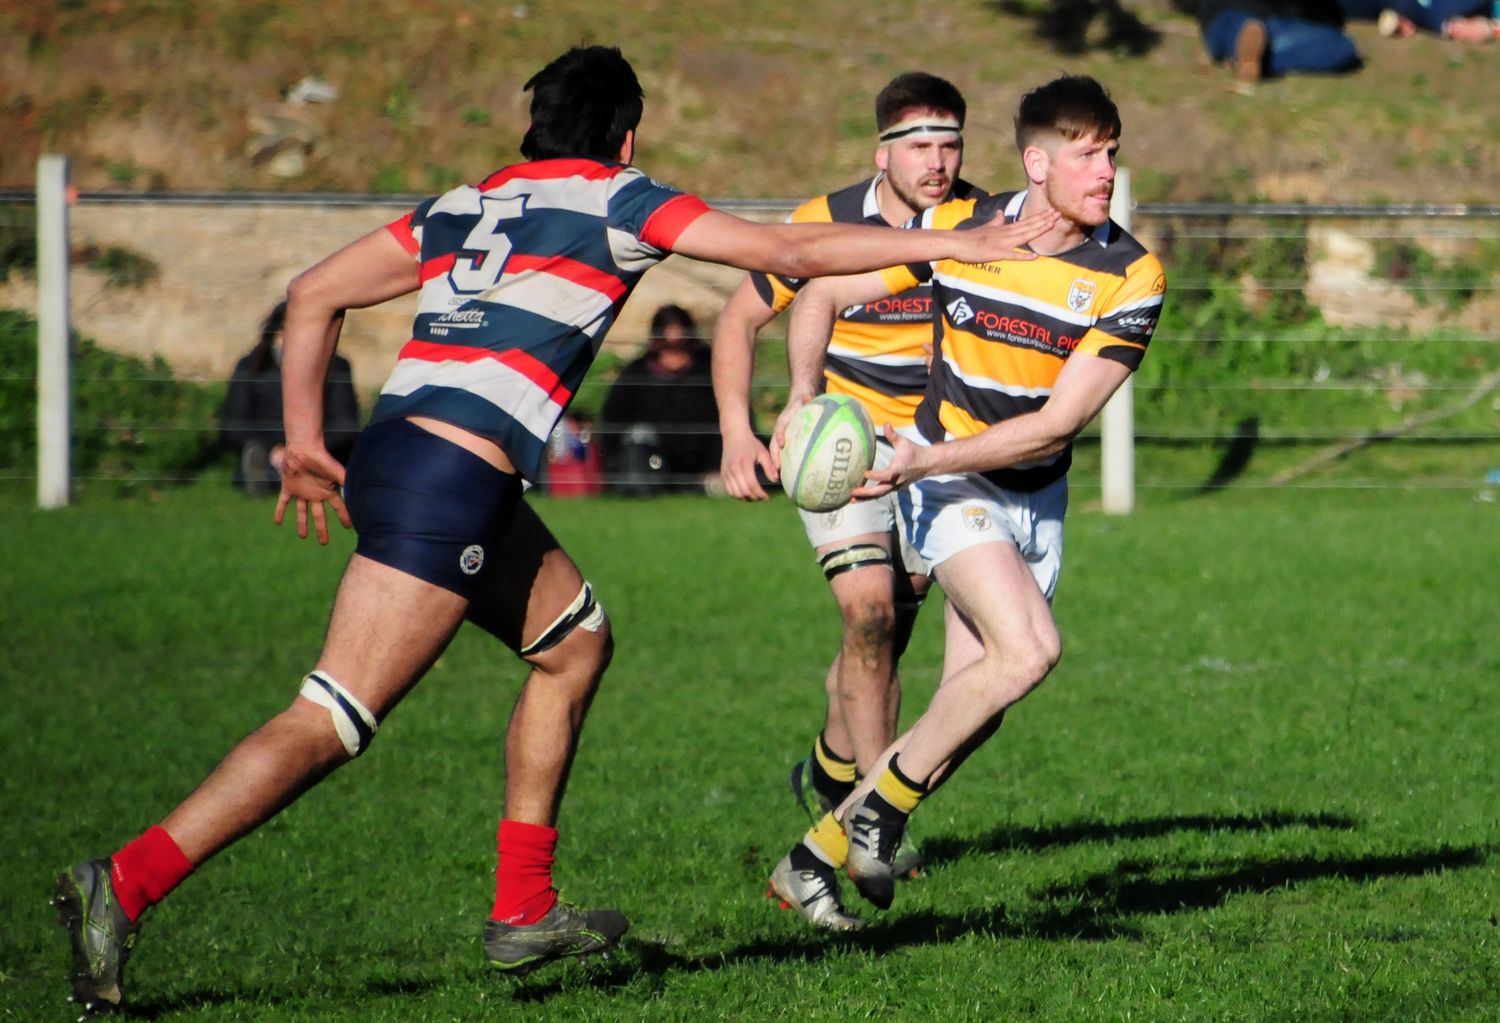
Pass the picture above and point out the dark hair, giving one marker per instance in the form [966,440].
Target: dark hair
[1073,106]
[673,315]
[582,104]
[917,90]
[273,324]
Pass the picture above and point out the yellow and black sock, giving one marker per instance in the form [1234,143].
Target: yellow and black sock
[826,840]
[832,776]
[895,795]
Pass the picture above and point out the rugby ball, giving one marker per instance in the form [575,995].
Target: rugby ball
[830,445]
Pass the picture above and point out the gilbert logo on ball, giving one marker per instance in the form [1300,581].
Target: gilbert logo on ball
[830,445]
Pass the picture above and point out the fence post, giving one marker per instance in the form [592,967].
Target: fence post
[53,383]
[1117,421]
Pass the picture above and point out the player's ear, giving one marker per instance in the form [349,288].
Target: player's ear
[883,157]
[627,147]
[1036,161]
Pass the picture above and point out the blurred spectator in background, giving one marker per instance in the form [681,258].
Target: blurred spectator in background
[1267,38]
[575,467]
[250,424]
[1463,21]
[660,420]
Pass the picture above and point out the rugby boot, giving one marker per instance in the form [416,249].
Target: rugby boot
[909,860]
[813,892]
[813,802]
[100,933]
[873,841]
[565,931]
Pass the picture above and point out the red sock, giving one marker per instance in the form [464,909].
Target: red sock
[146,870]
[523,878]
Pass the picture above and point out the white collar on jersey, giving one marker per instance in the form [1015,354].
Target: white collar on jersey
[871,207]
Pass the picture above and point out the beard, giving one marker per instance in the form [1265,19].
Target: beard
[1077,208]
[913,197]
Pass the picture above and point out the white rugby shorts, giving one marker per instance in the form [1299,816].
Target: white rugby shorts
[859,518]
[944,515]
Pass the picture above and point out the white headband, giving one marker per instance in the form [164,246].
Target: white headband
[922,124]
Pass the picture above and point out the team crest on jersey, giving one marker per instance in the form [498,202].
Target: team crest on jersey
[1080,295]
[975,519]
[959,312]
[471,560]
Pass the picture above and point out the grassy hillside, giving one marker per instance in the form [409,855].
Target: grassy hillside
[743,100]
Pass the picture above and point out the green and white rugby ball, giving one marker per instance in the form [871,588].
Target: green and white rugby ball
[830,445]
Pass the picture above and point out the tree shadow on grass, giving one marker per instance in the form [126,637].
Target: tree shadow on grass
[1075,27]
[1007,837]
[1103,906]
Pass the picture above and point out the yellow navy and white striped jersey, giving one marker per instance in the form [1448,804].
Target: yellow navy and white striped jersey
[876,353]
[1004,329]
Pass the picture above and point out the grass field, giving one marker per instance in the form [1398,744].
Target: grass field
[1261,785]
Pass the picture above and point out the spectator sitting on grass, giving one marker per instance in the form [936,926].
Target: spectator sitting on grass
[1463,21]
[1270,38]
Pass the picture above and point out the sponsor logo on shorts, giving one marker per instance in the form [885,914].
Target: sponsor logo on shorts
[833,518]
[472,559]
[1080,295]
[975,519]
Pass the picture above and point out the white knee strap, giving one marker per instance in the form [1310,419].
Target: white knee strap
[354,723]
[584,611]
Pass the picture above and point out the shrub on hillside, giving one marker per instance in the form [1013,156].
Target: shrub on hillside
[131,419]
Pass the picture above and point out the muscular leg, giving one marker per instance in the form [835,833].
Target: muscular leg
[863,690]
[539,583]
[386,630]
[994,592]
[1000,643]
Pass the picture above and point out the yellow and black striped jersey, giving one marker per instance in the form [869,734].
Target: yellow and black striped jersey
[1003,330]
[876,353]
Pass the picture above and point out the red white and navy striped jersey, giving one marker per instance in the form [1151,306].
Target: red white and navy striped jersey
[522,276]
[1004,329]
[876,353]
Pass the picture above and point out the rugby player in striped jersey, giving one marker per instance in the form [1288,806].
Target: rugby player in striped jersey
[1026,355]
[877,355]
[519,279]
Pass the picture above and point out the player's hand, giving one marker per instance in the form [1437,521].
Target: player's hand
[742,454]
[999,240]
[905,466]
[778,434]
[312,477]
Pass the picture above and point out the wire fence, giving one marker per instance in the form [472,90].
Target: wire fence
[1302,346]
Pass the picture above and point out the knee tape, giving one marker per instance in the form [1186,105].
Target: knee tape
[353,722]
[584,611]
[856,555]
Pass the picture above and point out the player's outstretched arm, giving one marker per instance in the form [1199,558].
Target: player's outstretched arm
[1082,389]
[821,250]
[733,365]
[364,273]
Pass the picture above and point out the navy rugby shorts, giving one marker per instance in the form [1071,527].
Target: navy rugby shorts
[426,507]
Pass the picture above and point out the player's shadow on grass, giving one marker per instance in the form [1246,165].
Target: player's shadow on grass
[187,1001]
